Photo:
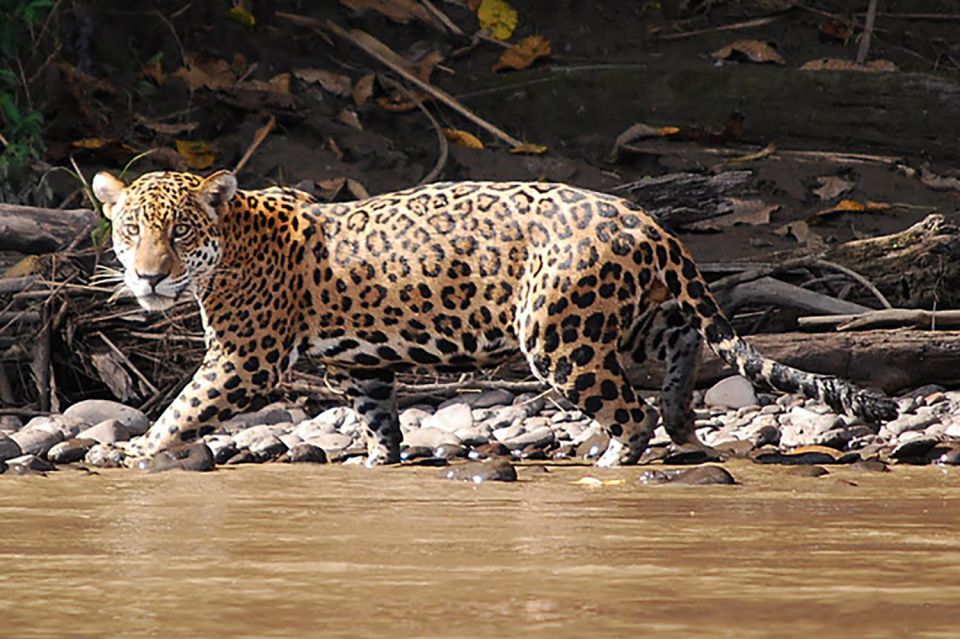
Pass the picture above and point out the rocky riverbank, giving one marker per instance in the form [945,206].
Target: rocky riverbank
[497,425]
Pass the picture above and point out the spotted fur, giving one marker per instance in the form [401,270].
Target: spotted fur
[449,277]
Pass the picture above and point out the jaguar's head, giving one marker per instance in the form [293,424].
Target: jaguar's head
[165,230]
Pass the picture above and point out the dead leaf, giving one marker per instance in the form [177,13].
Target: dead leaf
[837,30]
[528,149]
[823,450]
[105,148]
[165,129]
[199,73]
[463,138]
[749,51]
[239,13]
[850,206]
[278,84]
[363,89]
[595,481]
[800,231]
[402,11]
[751,212]
[524,53]
[400,102]
[27,266]
[350,118]
[199,155]
[831,186]
[154,71]
[834,64]
[498,18]
[357,189]
[334,83]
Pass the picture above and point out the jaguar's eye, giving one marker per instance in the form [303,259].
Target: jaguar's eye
[131,229]
[181,230]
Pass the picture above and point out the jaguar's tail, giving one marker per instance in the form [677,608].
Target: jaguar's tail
[684,281]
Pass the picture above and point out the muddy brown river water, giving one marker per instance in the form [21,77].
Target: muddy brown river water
[333,551]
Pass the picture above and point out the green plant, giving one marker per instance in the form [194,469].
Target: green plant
[21,127]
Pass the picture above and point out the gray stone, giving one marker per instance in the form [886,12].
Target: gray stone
[106,432]
[920,421]
[36,441]
[70,451]
[474,436]
[29,465]
[430,438]
[314,428]
[451,418]
[504,417]
[531,403]
[508,432]
[953,428]
[268,447]
[413,418]
[245,438]
[479,472]
[66,426]
[914,450]
[267,416]
[333,416]
[94,411]
[732,392]
[9,448]
[488,398]
[537,437]
[700,476]
[331,442]
[305,453]
[291,439]
[194,456]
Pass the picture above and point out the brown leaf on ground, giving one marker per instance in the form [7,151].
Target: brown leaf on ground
[850,206]
[640,131]
[463,138]
[278,84]
[402,11]
[752,212]
[401,102]
[841,30]
[27,266]
[350,118]
[524,53]
[800,231]
[199,155]
[331,82]
[363,89]
[749,51]
[528,149]
[834,64]
[357,189]
[155,72]
[831,186]
[203,73]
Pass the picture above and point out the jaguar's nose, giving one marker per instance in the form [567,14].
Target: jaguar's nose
[152,278]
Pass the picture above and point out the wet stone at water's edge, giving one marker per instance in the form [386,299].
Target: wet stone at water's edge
[778,430]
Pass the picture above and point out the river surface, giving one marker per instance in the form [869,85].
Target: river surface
[335,551]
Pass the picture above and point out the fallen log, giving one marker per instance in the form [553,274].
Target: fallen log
[31,230]
[887,318]
[679,199]
[892,360]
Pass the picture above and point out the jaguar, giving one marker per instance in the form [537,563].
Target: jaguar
[448,277]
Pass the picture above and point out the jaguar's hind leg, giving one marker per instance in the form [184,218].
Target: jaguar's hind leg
[667,336]
[590,376]
[373,395]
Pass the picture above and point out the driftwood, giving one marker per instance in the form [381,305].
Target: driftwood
[679,199]
[26,229]
[886,318]
[891,360]
[767,290]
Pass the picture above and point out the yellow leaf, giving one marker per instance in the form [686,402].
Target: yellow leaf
[749,50]
[522,54]
[199,155]
[241,14]
[463,138]
[528,149]
[498,18]
[27,266]
[90,143]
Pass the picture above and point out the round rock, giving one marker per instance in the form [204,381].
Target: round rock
[94,411]
[479,472]
[732,392]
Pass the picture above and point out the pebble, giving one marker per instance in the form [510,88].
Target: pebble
[481,471]
[36,440]
[10,423]
[411,453]
[305,453]
[951,456]
[914,451]
[490,449]
[450,418]
[450,451]
[699,476]
[483,399]
[193,456]
[591,448]
[732,392]
[94,411]
[538,437]
[267,448]
[248,437]
[29,465]
[104,456]
[70,451]
[430,438]
[108,431]
[9,448]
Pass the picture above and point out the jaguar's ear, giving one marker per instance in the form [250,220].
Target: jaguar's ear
[108,190]
[219,188]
